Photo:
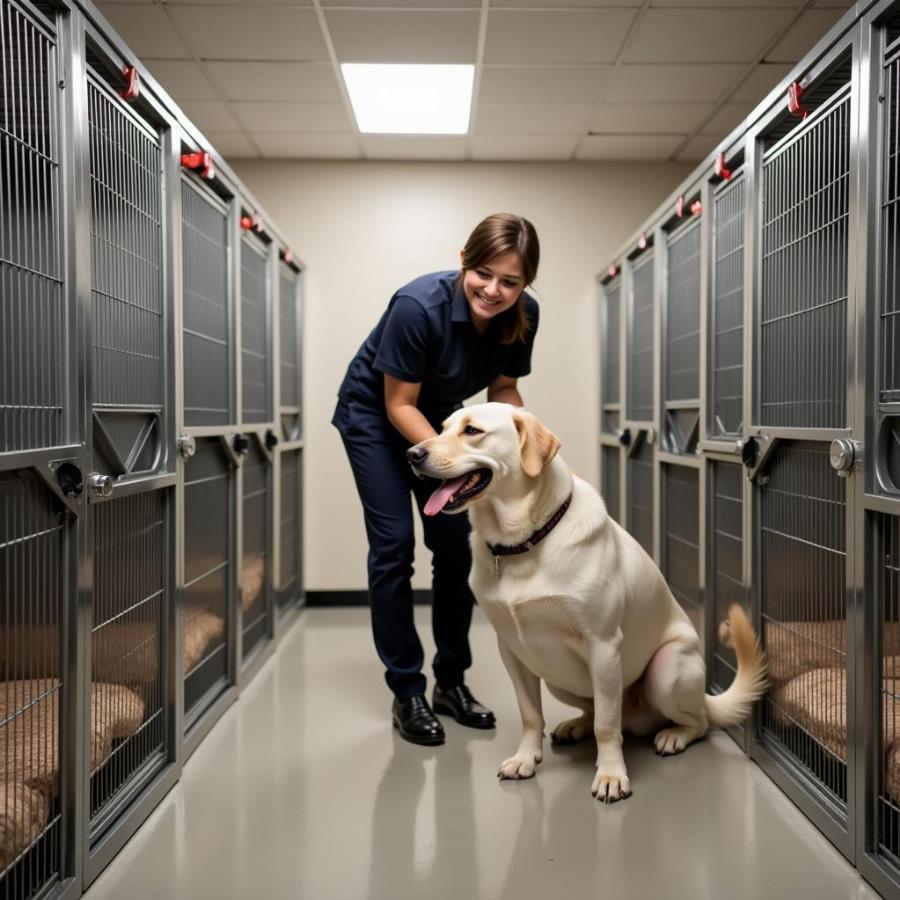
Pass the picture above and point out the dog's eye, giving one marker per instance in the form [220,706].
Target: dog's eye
[471,429]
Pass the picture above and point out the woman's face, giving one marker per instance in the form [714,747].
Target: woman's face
[493,288]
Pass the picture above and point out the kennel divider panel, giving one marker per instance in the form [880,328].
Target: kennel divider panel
[801,564]
[611,478]
[207,308]
[726,370]
[36,534]
[682,314]
[640,340]
[127,291]
[36,399]
[639,495]
[209,573]
[256,375]
[290,585]
[803,297]
[256,561]
[681,540]
[889,293]
[129,714]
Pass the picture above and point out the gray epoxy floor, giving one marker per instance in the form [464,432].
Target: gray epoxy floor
[303,790]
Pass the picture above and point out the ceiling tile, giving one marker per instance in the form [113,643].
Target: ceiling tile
[395,4]
[182,79]
[671,83]
[731,4]
[799,40]
[562,37]
[232,145]
[532,118]
[314,82]
[697,148]
[759,82]
[251,32]
[565,4]
[147,30]
[390,36]
[522,147]
[308,146]
[542,84]
[304,118]
[727,118]
[383,146]
[613,147]
[210,115]
[651,118]
[704,35]
[833,4]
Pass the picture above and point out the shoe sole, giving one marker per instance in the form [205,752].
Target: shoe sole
[447,711]
[423,742]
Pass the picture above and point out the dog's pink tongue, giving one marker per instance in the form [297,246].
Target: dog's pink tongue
[439,499]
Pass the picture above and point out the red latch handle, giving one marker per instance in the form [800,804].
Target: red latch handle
[679,207]
[612,271]
[200,161]
[795,107]
[721,169]
[696,208]
[252,222]
[642,242]
[287,256]
[132,83]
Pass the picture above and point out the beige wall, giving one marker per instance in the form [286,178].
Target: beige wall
[364,229]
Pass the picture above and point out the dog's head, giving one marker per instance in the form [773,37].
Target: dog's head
[478,449]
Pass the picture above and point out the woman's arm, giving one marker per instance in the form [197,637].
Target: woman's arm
[504,390]
[400,399]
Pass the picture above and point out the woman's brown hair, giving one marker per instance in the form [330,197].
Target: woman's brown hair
[495,236]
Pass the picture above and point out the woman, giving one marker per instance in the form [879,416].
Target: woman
[444,337]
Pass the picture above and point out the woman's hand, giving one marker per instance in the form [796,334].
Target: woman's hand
[400,399]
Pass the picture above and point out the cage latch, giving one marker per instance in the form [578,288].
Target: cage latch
[642,241]
[721,169]
[624,436]
[612,271]
[252,223]
[679,207]
[287,256]
[200,162]
[132,83]
[241,444]
[70,480]
[795,107]
[749,452]
[845,456]
[271,440]
[187,446]
[101,485]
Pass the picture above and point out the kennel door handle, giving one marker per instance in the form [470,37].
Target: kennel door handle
[845,456]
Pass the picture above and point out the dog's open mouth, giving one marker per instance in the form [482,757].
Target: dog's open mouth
[453,493]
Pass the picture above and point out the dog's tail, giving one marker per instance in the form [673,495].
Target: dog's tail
[750,683]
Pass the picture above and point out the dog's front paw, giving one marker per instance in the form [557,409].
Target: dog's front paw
[522,765]
[609,788]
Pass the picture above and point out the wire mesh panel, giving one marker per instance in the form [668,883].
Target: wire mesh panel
[255,369]
[610,343]
[889,299]
[610,458]
[32,304]
[803,314]
[208,571]
[724,542]
[256,553]
[727,348]
[640,341]
[887,557]
[682,374]
[207,326]
[126,284]
[289,353]
[681,540]
[640,496]
[290,528]
[127,714]
[802,569]
[32,563]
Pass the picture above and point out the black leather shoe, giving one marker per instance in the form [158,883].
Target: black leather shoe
[416,722]
[459,703]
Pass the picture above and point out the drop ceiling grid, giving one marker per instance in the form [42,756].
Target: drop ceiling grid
[555,79]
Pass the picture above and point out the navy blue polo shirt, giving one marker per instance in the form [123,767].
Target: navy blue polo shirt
[426,336]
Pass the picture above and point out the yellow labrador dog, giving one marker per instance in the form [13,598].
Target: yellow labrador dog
[575,600]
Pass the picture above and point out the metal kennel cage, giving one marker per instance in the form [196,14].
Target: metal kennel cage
[612,433]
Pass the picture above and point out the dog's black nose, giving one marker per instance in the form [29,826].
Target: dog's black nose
[416,454]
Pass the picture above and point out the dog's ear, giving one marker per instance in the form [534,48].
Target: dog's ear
[537,443]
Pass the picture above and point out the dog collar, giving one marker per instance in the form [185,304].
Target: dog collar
[498,550]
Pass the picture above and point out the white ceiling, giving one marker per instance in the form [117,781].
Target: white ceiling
[555,79]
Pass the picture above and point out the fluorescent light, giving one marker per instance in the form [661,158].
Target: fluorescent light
[410,99]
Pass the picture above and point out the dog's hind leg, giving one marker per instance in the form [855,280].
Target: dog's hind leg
[572,730]
[674,685]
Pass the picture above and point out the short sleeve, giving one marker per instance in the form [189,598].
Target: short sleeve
[518,363]
[401,352]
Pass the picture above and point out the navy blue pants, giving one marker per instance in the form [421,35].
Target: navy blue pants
[384,479]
